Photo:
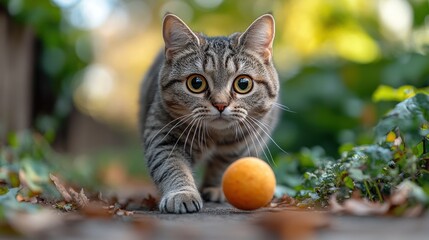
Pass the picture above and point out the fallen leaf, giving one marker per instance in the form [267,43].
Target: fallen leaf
[60,187]
[96,210]
[365,207]
[14,179]
[415,211]
[294,224]
[150,203]
[400,194]
[284,201]
[70,195]
[3,190]
[359,206]
[334,205]
[62,205]
[80,198]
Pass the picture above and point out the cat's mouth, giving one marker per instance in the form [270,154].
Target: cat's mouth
[220,122]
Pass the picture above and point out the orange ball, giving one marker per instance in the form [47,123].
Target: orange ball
[249,183]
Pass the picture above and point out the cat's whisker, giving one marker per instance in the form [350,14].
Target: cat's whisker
[182,120]
[283,107]
[201,137]
[264,125]
[187,136]
[249,129]
[193,137]
[245,139]
[178,139]
[208,137]
[253,141]
[255,132]
[206,134]
[236,130]
[264,142]
[200,132]
[259,123]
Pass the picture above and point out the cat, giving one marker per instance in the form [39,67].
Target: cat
[206,99]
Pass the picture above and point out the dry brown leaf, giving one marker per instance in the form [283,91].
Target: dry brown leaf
[284,201]
[60,187]
[96,210]
[121,212]
[103,199]
[294,224]
[70,195]
[400,194]
[415,211]
[334,205]
[150,203]
[365,207]
[21,198]
[80,198]
[359,207]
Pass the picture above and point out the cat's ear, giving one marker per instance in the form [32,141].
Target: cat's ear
[176,35]
[259,36]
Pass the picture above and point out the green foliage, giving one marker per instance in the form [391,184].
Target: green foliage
[333,102]
[8,202]
[27,160]
[57,61]
[25,164]
[387,93]
[399,156]
[410,117]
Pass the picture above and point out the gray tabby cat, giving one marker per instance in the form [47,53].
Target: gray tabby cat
[206,99]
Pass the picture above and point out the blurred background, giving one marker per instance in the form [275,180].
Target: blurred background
[70,70]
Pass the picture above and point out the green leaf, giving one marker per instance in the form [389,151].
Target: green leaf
[35,173]
[10,194]
[3,190]
[387,93]
[409,117]
[345,148]
[357,174]
[10,203]
[348,181]
[14,179]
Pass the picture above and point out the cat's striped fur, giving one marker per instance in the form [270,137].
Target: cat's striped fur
[219,125]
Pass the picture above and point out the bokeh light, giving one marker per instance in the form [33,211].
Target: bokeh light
[89,14]
[308,33]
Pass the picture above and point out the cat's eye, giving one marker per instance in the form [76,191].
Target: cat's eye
[243,84]
[196,83]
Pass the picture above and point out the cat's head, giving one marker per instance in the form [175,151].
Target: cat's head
[220,80]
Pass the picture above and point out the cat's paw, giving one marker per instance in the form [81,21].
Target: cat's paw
[181,202]
[213,194]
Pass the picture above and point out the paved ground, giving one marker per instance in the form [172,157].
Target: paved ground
[224,222]
[218,221]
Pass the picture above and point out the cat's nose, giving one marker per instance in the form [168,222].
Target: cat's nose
[220,106]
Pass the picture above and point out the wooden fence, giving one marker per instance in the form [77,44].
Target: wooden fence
[16,69]
[21,100]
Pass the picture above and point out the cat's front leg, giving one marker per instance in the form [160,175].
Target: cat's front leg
[171,171]
[212,185]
